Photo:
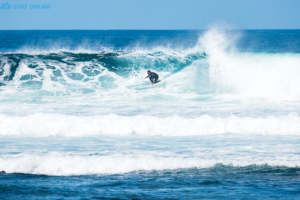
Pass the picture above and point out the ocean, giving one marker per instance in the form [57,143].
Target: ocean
[79,121]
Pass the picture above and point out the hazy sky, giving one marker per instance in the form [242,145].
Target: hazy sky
[149,14]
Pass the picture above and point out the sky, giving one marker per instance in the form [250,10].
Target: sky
[148,14]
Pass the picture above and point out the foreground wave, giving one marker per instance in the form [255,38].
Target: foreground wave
[58,164]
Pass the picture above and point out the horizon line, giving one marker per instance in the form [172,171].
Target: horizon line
[129,29]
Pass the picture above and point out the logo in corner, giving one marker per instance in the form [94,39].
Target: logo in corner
[5,6]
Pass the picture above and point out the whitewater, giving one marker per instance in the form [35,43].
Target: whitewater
[75,108]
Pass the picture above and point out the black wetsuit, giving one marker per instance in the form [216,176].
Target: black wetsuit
[153,77]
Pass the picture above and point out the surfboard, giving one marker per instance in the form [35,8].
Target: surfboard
[143,86]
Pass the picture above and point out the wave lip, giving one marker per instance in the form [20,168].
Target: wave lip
[45,125]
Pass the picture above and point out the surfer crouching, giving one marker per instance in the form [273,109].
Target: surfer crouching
[153,77]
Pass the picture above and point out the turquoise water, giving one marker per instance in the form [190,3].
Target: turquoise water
[79,121]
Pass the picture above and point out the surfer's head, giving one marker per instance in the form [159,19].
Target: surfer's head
[148,71]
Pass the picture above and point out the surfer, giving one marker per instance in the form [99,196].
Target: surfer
[153,77]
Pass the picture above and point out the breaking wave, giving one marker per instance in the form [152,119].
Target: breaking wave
[212,68]
[45,125]
[62,164]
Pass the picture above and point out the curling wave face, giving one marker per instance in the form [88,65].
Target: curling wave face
[105,73]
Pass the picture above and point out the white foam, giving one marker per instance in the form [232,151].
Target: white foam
[44,125]
[250,75]
[61,164]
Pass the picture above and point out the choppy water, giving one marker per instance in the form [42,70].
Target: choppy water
[78,119]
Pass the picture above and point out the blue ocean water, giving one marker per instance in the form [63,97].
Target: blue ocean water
[79,121]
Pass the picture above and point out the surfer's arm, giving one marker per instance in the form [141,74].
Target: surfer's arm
[147,76]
